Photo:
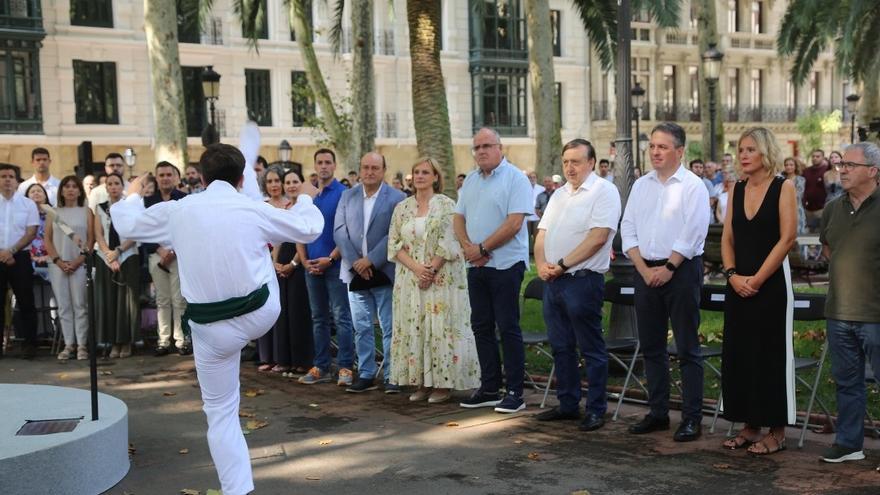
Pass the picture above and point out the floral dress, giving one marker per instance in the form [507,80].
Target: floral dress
[432,344]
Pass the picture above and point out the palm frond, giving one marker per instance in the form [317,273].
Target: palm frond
[599,18]
[252,14]
[205,8]
[666,13]
[336,30]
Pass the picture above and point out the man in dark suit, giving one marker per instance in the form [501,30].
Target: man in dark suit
[361,234]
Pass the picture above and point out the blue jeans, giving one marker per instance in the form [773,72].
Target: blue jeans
[851,343]
[365,304]
[327,293]
[494,298]
[573,313]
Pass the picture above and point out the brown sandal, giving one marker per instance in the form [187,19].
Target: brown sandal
[737,442]
[761,448]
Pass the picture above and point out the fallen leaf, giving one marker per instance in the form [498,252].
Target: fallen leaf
[255,424]
[325,442]
[106,372]
[183,451]
[11,369]
[189,491]
[452,424]
[252,392]
[245,414]
[721,466]
[580,492]
[62,376]
[213,492]
[313,478]
[169,394]
[533,456]
[517,442]
[314,406]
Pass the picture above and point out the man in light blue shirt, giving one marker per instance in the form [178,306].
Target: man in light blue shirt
[492,204]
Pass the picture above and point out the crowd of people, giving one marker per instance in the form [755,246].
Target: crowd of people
[443,277]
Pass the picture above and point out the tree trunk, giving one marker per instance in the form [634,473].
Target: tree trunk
[338,131]
[548,152]
[363,94]
[169,119]
[707,32]
[869,107]
[430,110]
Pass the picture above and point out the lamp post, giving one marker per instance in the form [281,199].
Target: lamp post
[852,104]
[644,140]
[284,150]
[211,91]
[638,98]
[711,71]
[130,159]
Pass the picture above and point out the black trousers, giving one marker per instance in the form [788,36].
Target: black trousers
[20,277]
[678,302]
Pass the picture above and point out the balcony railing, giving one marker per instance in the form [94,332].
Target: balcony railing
[385,42]
[752,41]
[212,32]
[599,110]
[21,15]
[387,125]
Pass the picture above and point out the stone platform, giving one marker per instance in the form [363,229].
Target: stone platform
[90,459]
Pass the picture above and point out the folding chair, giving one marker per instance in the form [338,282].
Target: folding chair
[712,299]
[871,382]
[624,352]
[537,339]
[810,307]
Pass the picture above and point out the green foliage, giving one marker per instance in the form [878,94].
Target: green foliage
[814,125]
[694,150]
[300,90]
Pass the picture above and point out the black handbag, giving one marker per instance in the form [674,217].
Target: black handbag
[379,279]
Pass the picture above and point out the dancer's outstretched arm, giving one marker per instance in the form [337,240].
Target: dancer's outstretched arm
[133,221]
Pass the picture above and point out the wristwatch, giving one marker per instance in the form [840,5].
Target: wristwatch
[729,273]
[670,266]
[562,264]
[483,251]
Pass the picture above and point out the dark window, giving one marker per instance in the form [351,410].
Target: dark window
[733,15]
[670,99]
[258,95]
[21,14]
[733,95]
[308,10]
[556,33]
[500,26]
[193,100]
[500,101]
[757,17]
[94,91]
[95,13]
[20,88]
[188,21]
[558,96]
[302,100]
[262,22]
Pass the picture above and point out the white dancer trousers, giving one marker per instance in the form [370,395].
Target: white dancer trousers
[217,349]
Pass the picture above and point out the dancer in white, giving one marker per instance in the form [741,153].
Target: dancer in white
[227,277]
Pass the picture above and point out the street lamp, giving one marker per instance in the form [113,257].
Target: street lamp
[130,159]
[638,98]
[852,104]
[284,150]
[211,91]
[644,140]
[712,71]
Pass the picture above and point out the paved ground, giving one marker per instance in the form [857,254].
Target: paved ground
[321,440]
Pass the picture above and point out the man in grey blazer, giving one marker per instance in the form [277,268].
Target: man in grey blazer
[361,233]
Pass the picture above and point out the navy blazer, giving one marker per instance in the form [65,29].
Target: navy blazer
[348,226]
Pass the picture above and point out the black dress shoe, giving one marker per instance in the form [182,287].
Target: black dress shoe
[555,415]
[649,424]
[688,431]
[592,422]
[161,351]
[185,350]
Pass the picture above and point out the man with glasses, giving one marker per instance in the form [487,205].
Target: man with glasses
[488,222]
[851,242]
[113,163]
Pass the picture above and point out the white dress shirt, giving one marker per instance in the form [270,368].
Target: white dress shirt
[664,217]
[572,213]
[100,195]
[369,202]
[16,215]
[51,186]
[220,237]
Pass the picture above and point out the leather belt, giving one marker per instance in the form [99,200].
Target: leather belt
[580,273]
[656,263]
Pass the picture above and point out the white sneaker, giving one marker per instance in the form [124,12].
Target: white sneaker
[67,353]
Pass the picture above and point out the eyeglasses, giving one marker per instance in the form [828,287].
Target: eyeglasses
[480,147]
[850,166]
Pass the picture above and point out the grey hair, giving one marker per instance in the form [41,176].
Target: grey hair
[674,130]
[869,149]
[493,131]
[279,171]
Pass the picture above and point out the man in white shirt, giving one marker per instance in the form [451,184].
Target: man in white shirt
[663,230]
[19,220]
[572,253]
[228,279]
[41,161]
[113,163]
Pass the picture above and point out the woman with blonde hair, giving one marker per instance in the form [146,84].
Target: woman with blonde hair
[757,355]
[792,168]
[433,346]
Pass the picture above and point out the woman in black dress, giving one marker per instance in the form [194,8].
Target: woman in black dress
[757,357]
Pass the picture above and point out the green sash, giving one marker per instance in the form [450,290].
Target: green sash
[224,310]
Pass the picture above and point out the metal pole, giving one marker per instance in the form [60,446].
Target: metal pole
[712,145]
[852,128]
[93,344]
[635,140]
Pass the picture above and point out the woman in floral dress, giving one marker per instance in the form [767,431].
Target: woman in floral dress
[433,345]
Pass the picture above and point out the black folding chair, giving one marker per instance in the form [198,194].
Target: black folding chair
[537,339]
[625,352]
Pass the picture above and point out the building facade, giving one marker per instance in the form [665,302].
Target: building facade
[77,70]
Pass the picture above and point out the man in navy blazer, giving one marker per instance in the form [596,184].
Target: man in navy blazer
[360,230]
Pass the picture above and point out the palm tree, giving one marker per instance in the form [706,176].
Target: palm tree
[811,26]
[169,123]
[707,34]
[430,109]
[548,150]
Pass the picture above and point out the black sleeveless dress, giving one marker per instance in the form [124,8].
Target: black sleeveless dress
[757,356]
